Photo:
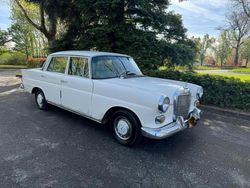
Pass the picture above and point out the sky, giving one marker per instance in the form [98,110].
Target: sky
[4,14]
[199,16]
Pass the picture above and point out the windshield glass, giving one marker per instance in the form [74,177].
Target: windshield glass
[114,66]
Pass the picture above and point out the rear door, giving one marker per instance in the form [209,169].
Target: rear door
[52,77]
[77,86]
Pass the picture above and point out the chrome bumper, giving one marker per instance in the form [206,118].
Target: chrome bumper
[172,128]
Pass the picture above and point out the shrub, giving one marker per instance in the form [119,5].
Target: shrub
[13,58]
[35,62]
[220,91]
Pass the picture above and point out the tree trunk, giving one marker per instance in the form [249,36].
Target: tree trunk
[246,62]
[201,59]
[51,39]
[26,53]
[236,58]
[35,43]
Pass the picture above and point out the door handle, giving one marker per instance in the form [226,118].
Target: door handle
[43,76]
[63,81]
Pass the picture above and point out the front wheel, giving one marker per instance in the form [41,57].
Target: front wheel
[41,100]
[126,128]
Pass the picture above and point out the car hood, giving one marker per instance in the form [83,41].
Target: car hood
[149,84]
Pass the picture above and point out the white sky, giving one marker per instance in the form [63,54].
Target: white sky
[199,16]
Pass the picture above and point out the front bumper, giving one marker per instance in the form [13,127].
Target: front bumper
[172,128]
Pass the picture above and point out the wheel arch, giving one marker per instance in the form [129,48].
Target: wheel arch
[35,89]
[107,116]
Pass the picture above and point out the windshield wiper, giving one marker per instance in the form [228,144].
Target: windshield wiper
[127,73]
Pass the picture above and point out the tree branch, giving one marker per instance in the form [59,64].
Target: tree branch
[42,15]
[40,28]
[245,7]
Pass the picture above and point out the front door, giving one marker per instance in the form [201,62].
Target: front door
[76,86]
[51,78]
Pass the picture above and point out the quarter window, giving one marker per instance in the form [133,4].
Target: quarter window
[78,66]
[58,64]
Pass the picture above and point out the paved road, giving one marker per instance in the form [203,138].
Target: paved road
[56,148]
[8,79]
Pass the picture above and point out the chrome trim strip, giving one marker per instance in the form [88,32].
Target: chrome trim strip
[75,112]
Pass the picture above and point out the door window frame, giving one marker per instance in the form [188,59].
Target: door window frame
[50,60]
[79,56]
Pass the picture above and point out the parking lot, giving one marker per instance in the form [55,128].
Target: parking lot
[56,148]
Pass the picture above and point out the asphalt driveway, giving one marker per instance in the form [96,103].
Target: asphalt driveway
[56,148]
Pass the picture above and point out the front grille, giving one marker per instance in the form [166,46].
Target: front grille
[182,104]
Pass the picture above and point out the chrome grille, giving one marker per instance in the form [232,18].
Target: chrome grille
[182,104]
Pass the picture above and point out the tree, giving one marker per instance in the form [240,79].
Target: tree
[203,44]
[244,5]
[238,25]
[47,14]
[245,50]
[26,38]
[143,29]
[223,48]
[4,37]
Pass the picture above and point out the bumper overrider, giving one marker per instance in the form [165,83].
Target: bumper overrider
[174,127]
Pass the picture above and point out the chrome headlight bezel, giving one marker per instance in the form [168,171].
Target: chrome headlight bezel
[199,93]
[164,103]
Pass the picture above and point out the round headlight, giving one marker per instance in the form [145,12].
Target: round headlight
[163,104]
[199,92]
[196,103]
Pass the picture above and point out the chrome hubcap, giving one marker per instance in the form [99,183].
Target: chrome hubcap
[39,99]
[123,129]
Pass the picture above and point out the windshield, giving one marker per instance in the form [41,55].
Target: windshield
[114,66]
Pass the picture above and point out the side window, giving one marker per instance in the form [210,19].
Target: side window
[78,66]
[58,64]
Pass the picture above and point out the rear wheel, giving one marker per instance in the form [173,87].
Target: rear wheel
[126,128]
[41,100]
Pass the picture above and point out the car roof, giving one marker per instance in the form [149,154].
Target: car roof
[87,53]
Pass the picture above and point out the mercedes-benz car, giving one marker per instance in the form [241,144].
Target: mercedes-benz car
[110,88]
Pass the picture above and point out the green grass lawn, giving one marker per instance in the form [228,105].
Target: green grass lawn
[13,67]
[242,77]
[241,70]
[206,68]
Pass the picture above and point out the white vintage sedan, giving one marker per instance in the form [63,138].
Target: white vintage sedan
[110,88]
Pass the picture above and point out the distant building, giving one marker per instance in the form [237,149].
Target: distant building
[210,61]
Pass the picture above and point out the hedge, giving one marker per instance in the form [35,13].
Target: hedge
[218,90]
[12,58]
